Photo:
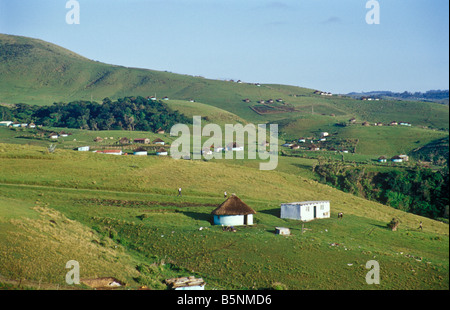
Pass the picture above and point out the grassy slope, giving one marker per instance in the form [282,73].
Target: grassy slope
[38,72]
[85,188]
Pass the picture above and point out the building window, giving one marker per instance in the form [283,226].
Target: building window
[307,209]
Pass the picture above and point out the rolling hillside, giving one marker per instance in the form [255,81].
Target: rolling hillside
[140,222]
[38,72]
[120,216]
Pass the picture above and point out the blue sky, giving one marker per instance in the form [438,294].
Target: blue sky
[320,44]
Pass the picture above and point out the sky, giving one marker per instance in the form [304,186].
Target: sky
[319,44]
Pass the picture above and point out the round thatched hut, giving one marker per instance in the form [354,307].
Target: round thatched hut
[233,212]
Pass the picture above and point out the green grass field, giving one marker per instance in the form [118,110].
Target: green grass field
[131,203]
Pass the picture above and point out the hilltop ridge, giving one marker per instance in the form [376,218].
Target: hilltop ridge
[41,73]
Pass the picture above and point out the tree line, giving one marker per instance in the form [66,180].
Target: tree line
[421,191]
[128,113]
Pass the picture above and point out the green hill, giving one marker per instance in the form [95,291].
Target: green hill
[38,72]
[124,211]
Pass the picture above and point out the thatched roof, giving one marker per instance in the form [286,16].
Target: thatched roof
[233,206]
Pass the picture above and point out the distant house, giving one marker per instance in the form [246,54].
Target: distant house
[314,147]
[295,147]
[109,152]
[160,131]
[367,124]
[142,141]
[161,152]
[279,100]
[393,123]
[302,140]
[270,101]
[140,151]
[16,124]
[233,212]
[32,125]
[158,141]
[5,123]
[306,210]
[23,124]
[404,157]
[322,139]
[352,120]
[405,124]
[83,149]
[246,100]
[233,146]
[261,101]
[206,151]
[191,100]
[63,134]
[53,135]
[287,144]
[397,159]
[324,134]
[98,139]
[382,159]
[379,124]
[345,151]
[165,98]
[124,141]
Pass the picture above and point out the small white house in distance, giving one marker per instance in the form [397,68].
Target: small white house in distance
[306,210]
[158,141]
[83,149]
[206,151]
[161,152]
[397,159]
[233,146]
[140,152]
[5,123]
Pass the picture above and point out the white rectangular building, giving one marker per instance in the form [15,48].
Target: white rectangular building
[305,210]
